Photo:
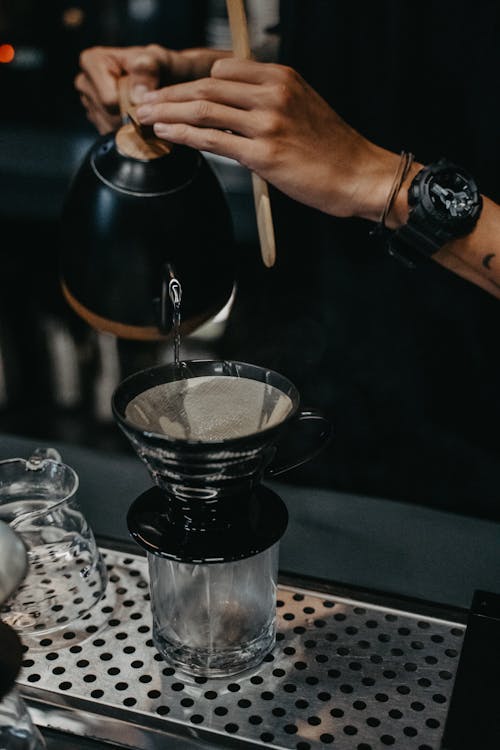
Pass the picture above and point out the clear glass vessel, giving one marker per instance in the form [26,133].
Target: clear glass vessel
[17,731]
[66,574]
[214,619]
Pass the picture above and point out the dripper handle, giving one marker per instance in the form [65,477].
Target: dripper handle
[322,436]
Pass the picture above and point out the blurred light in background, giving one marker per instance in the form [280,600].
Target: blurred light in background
[142,10]
[7,53]
[73,17]
[27,58]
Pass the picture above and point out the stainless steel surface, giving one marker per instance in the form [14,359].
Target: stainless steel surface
[344,672]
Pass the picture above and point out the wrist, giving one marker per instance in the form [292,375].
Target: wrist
[380,169]
[398,215]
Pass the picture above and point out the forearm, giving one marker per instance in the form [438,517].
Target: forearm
[455,264]
[479,250]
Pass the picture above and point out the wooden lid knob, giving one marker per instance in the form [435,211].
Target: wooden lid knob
[133,139]
[130,143]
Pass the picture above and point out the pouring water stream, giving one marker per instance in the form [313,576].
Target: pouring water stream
[175,294]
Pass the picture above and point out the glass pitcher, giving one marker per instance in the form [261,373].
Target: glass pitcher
[66,574]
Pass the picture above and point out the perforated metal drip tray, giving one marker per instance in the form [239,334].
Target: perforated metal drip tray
[355,675]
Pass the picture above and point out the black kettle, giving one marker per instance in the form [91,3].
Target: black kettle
[138,214]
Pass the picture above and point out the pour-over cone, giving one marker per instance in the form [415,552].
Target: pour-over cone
[205,429]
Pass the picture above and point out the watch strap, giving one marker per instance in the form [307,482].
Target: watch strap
[403,252]
[417,235]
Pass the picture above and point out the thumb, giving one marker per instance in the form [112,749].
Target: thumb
[144,75]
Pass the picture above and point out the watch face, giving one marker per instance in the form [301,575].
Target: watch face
[451,193]
[444,202]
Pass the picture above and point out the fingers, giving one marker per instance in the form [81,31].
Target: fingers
[207,139]
[98,117]
[101,67]
[249,71]
[83,86]
[202,114]
[233,94]
[144,73]
[236,115]
[101,118]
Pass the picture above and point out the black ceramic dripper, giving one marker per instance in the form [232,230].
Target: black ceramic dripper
[208,433]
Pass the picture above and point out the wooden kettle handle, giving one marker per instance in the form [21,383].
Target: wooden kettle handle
[134,139]
[241,48]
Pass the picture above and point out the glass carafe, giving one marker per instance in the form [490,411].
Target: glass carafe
[66,574]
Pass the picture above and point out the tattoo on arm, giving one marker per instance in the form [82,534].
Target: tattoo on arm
[487,260]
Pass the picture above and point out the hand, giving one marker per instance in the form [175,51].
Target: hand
[270,120]
[101,67]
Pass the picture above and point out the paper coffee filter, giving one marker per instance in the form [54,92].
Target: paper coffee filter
[209,408]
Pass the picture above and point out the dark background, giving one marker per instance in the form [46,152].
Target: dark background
[405,364]
[57,375]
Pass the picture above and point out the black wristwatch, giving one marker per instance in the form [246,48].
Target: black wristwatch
[444,203]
